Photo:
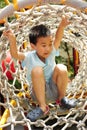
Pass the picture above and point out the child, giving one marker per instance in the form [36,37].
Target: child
[48,80]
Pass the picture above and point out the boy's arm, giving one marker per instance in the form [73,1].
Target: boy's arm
[60,31]
[13,47]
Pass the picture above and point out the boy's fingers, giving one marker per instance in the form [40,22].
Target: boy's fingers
[7,32]
[65,17]
[66,20]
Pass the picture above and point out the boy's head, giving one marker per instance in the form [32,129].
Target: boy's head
[37,32]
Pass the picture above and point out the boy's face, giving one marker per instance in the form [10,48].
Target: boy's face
[43,47]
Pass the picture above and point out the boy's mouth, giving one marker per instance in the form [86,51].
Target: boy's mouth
[46,53]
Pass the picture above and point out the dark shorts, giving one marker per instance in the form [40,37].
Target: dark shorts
[51,89]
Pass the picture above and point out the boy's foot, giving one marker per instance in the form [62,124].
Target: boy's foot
[37,113]
[67,103]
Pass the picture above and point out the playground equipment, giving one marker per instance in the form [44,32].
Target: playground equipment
[8,10]
[18,101]
[5,62]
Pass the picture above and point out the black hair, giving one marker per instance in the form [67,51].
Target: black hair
[37,32]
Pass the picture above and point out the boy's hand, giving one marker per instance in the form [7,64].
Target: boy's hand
[9,35]
[65,21]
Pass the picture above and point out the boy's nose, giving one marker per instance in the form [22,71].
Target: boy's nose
[47,48]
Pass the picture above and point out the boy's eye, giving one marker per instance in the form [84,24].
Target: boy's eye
[43,45]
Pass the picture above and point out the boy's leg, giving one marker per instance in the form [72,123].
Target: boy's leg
[60,78]
[38,82]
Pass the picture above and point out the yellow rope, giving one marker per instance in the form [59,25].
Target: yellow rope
[6,113]
[7,2]
[15,2]
[39,2]
[62,1]
[85,10]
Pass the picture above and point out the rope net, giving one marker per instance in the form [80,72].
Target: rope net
[17,101]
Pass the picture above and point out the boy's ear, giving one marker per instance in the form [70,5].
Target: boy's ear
[32,46]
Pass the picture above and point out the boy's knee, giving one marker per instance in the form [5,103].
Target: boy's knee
[62,67]
[37,71]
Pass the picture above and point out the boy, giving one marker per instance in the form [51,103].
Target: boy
[48,80]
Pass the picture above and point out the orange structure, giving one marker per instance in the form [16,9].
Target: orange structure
[75,61]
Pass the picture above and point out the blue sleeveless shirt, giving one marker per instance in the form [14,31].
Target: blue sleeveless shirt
[32,60]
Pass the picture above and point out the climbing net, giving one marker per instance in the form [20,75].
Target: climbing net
[17,100]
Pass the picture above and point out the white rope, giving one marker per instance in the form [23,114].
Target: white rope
[50,15]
